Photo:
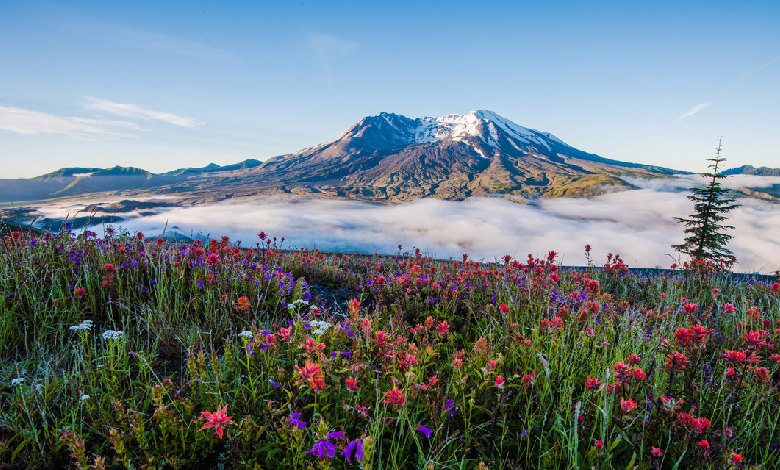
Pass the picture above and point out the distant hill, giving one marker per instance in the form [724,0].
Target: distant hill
[751,170]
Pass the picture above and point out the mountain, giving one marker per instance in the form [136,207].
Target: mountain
[390,157]
[387,157]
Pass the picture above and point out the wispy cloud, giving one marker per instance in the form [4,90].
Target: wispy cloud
[144,39]
[26,121]
[328,47]
[694,110]
[134,111]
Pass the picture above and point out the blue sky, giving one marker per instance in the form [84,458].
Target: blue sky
[164,85]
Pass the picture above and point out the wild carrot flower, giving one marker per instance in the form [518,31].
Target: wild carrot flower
[216,420]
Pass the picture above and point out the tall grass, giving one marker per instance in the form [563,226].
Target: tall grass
[122,352]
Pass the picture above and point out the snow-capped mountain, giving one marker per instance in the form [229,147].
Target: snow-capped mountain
[387,157]
[393,157]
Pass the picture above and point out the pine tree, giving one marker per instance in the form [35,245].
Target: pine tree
[706,238]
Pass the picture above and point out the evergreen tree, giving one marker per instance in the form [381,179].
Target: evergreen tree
[706,238]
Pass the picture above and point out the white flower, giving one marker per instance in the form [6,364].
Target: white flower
[246,334]
[85,325]
[111,334]
[318,332]
[17,381]
[39,388]
[84,397]
[301,302]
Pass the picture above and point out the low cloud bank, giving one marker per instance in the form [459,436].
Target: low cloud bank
[636,224]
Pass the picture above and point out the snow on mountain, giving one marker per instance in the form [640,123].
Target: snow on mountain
[487,126]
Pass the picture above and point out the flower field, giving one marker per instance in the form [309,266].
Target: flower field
[120,351]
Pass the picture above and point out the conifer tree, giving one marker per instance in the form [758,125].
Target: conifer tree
[706,238]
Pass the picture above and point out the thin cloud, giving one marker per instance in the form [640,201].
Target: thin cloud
[694,110]
[143,39]
[29,122]
[134,111]
[328,47]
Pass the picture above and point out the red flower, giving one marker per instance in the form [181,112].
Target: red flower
[79,292]
[395,397]
[499,381]
[736,460]
[656,452]
[284,333]
[627,405]
[703,445]
[352,384]
[592,383]
[310,372]
[381,337]
[216,420]
[729,308]
[599,444]
[442,328]
[676,361]
[634,359]
[503,307]
[528,379]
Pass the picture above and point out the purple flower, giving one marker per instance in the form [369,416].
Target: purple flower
[323,448]
[297,422]
[347,452]
[335,435]
[276,385]
[449,404]
[424,430]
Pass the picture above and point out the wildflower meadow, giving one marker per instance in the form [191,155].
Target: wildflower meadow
[120,351]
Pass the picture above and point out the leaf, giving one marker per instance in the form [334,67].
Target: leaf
[615,443]
[631,462]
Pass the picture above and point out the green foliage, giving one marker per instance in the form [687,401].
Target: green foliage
[113,348]
[706,238]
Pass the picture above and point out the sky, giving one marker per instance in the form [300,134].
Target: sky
[165,85]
